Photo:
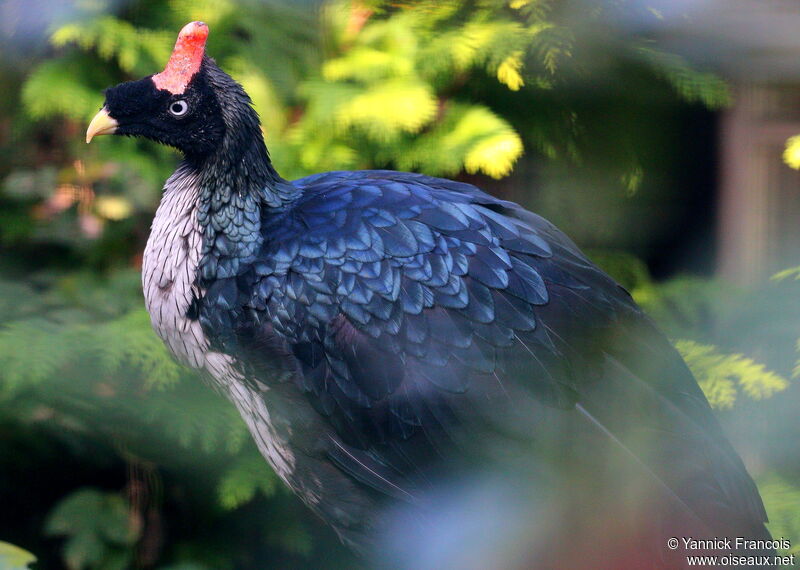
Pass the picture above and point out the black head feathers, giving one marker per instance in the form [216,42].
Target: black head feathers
[192,105]
[190,121]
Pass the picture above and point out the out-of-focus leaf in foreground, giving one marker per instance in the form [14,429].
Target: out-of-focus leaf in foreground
[14,558]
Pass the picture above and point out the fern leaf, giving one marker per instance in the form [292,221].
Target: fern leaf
[31,351]
[60,87]
[723,376]
[509,71]
[247,476]
[792,272]
[115,39]
[130,341]
[388,109]
[469,137]
[692,85]
[782,502]
[796,370]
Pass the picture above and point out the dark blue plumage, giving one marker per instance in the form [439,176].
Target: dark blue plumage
[420,310]
[390,336]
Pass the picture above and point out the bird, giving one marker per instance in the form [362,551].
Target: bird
[400,344]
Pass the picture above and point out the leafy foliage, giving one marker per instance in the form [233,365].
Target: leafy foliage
[243,480]
[33,350]
[136,51]
[692,85]
[390,88]
[141,350]
[14,558]
[791,154]
[93,368]
[724,376]
[76,98]
[683,307]
[99,529]
[792,272]
[381,98]
[782,501]
[796,371]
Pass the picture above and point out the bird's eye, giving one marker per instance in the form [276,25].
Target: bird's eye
[179,108]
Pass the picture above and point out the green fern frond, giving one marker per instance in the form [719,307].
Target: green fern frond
[130,341]
[723,376]
[367,64]
[212,12]
[99,530]
[196,417]
[469,137]
[508,72]
[31,351]
[683,305]
[692,85]
[61,87]
[552,45]
[477,43]
[315,146]
[626,269]
[796,370]
[247,476]
[388,109]
[17,300]
[134,49]
[782,502]
[791,273]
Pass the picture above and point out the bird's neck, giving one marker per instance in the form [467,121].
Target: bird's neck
[237,186]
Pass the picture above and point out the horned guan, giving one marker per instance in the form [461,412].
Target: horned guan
[395,341]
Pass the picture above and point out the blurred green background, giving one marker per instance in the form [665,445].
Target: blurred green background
[615,119]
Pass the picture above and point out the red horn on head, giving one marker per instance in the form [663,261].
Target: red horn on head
[185,59]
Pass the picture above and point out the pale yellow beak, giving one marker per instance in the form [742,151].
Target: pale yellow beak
[102,124]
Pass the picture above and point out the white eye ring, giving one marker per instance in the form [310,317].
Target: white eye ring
[179,108]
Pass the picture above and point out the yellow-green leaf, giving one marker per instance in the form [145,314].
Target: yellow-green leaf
[14,558]
[791,155]
[792,272]
[389,109]
[723,376]
[509,71]
[113,207]
[247,476]
[209,11]
[495,156]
